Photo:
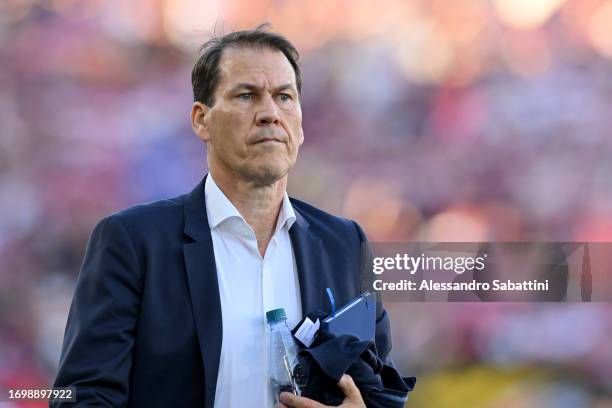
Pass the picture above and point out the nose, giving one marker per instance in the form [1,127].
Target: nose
[268,112]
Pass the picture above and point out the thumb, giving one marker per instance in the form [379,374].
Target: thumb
[351,392]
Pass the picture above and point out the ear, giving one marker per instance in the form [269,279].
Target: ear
[200,114]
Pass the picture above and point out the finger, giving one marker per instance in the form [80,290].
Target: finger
[299,402]
[350,389]
[280,405]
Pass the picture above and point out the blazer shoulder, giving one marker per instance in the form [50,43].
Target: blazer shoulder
[167,212]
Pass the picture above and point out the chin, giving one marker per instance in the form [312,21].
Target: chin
[267,175]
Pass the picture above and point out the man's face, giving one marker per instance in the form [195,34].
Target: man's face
[254,129]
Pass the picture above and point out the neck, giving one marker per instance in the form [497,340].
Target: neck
[258,204]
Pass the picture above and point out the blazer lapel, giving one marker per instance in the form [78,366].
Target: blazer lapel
[203,288]
[308,249]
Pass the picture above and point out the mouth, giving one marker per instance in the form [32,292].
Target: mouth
[268,140]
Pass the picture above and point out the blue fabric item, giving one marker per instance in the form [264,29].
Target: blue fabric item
[329,357]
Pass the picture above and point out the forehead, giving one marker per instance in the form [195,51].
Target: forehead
[254,65]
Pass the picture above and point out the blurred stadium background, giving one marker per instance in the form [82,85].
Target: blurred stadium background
[462,120]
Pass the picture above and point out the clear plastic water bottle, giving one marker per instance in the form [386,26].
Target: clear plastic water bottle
[282,356]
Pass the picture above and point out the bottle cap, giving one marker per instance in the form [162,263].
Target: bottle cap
[276,315]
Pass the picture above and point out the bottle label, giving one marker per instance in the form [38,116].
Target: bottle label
[307,331]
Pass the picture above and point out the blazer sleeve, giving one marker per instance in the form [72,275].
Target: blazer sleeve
[99,338]
[383,326]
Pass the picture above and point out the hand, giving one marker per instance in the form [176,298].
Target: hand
[351,392]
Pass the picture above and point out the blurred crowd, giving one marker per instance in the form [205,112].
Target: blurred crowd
[463,120]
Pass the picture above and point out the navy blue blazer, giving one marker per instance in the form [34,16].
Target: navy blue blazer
[144,328]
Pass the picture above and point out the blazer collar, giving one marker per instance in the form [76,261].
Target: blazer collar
[308,251]
[194,207]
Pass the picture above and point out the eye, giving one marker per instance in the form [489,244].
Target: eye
[284,97]
[247,96]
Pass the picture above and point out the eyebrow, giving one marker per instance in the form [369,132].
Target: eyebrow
[253,87]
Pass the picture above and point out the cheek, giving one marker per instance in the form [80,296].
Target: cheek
[229,129]
[294,123]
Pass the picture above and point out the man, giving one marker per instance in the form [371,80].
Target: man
[170,302]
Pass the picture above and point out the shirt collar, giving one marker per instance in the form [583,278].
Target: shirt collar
[219,208]
[286,216]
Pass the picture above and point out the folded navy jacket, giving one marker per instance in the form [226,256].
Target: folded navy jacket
[329,357]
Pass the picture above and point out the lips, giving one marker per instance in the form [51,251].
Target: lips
[268,139]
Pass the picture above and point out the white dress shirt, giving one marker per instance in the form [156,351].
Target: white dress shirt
[249,286]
